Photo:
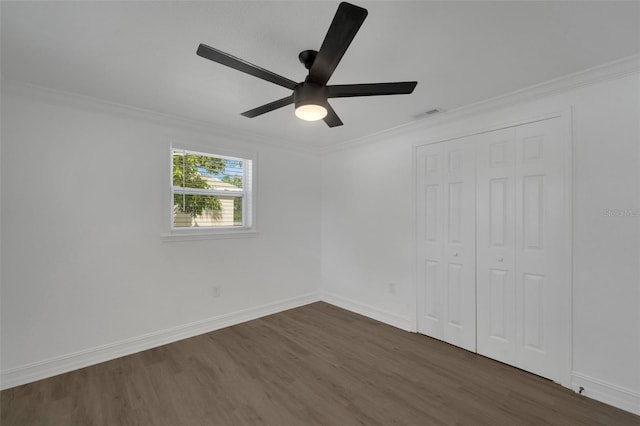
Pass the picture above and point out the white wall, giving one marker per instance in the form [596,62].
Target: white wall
[85,274]
[368,224]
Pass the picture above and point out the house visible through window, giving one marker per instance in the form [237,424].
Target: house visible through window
[210,191]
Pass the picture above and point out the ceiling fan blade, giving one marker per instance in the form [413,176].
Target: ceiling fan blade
[332,118]
[223,58]
[343,29]
[268,107]
[373,89]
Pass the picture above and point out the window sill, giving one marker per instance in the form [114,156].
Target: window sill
[199,235]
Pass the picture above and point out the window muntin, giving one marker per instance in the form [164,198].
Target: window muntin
[210,191]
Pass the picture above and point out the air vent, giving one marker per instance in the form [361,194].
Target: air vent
[429,113]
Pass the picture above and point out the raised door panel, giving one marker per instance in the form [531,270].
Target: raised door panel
[498,298]
[498,196]
[432,195]
[455,290]
[533,312]
[430,300]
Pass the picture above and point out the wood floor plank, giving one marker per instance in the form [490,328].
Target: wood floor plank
[314,365]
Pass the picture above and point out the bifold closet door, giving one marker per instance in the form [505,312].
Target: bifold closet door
[521,246]
[446,242]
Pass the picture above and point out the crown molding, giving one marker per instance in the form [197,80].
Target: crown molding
[591,76]
[90,103]
[606,72]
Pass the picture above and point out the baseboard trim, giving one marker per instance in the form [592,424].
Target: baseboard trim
[54,366]
[377,314]
[618,396]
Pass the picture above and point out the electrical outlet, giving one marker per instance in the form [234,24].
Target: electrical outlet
[217,290]
[392,288]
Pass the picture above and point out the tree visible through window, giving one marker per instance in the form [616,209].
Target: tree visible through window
[210,190]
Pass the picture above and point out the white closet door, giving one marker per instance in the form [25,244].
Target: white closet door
[522,260]
[430,172]
[446,229]
[459,202]
[496,246]
[541,247]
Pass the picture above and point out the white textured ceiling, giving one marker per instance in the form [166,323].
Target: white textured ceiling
[142,54]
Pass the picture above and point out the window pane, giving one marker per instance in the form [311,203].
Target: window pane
[210,190]
[225,184]
[201,171]
[206,210]
[189,170]
[233,173]
[237,211]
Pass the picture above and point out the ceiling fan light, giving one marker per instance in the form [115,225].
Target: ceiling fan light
[310,101]
[311,112]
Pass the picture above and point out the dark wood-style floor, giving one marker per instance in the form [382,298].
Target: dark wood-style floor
[314,365]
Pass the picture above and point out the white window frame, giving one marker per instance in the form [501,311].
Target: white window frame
[248,229]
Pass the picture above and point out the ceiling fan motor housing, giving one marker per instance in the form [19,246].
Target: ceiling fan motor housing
[309,93]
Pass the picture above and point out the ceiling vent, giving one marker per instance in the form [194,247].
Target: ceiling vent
[429,113]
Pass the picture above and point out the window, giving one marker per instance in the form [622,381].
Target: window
[211,194]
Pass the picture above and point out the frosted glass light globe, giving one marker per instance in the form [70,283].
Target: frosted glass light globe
[311,112]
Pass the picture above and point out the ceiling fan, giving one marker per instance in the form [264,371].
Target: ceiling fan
[310,97]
